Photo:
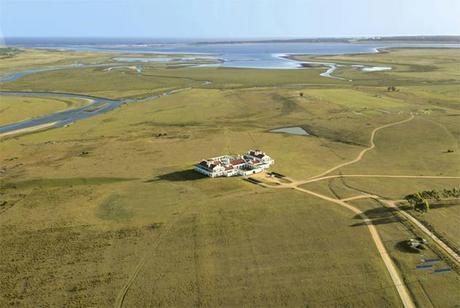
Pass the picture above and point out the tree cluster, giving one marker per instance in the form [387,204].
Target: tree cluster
[420,200]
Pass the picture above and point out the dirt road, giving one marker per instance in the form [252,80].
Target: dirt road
[294,184]
[397,281]
[363,152]
[447,249]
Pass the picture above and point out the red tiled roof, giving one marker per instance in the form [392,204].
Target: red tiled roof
[238,161]
[209,165]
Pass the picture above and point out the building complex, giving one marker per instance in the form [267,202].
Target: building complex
[254,161]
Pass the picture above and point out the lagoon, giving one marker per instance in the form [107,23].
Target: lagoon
[291,130]
[267,55]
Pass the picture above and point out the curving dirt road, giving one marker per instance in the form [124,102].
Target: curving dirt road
[124,290]
[397,281]
[376,176]
[447,249]
[293,184]
[363,152]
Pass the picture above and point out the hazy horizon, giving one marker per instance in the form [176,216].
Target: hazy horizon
[224,20]
[237,38]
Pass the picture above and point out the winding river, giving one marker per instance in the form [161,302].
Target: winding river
[96,105]
[265,56]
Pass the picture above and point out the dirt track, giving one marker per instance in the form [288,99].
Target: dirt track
[397,281]
[363,152]
[401,288]
[447,249]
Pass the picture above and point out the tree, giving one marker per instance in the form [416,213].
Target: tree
[418,201]
[301,94]
[423,206]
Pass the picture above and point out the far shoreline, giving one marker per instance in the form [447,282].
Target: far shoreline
[291,56]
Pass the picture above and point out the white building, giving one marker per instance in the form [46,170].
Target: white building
[254,161]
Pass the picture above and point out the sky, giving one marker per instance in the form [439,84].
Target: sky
[217,19]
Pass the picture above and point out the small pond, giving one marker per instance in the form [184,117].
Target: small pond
[291,130]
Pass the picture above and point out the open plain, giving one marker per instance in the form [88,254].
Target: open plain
[108,211]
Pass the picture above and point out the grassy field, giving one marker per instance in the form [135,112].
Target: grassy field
[14,109]
[126,83]
[426,286]
[443,218]
[97,82]
[85,207]
[24,59]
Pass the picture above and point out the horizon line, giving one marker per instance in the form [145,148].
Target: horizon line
[238,38]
